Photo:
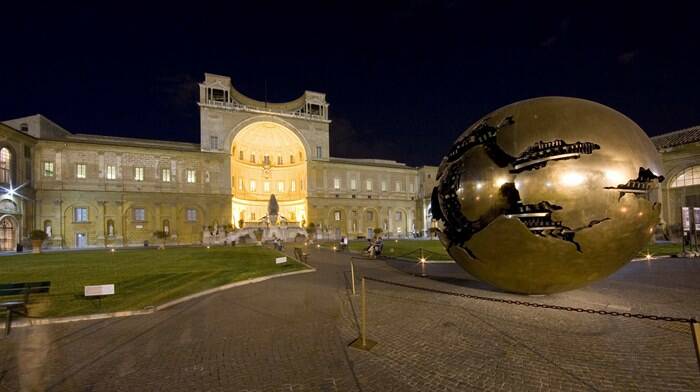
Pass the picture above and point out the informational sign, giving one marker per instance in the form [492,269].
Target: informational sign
[696,216]
[280,260]
[685,218]
[99,290]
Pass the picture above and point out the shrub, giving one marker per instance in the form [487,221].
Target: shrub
[38,235]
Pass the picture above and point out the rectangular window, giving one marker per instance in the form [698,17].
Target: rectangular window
[336,215]
[368,185]
[165,175]
[80,214]
[398,186]
[291,159]
[293,186]
[301,185]
[279,159]
[336,183]
[191,215]
[266,159]
[48,169]
[214,142]
[111,172]
[383,186]
[266,186]
[139,214]
[252,185]
[191,176]
[252,158]
[398,215]
[319,152]
[240,155]
[280,186]
[138,173]
[410,187]
[81,170]
[353,184]
[240,184]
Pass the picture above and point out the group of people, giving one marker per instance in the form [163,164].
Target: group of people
[374,248]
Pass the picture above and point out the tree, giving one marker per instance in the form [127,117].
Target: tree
[377,231]
[240,223]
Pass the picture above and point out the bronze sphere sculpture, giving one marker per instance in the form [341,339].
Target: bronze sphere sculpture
[547,195]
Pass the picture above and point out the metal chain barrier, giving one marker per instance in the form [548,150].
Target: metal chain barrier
[539,305]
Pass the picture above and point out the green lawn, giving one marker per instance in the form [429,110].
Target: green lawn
[663,249]
[434,249]
[142,277]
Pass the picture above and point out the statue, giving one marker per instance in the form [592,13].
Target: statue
[272,210]
[547,195]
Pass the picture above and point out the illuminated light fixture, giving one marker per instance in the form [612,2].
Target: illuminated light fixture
[623,209]
[572,179]
[479,185]
[12,192]
[423,259]
[208,247]
[500,181]
[648,256]
[318,246]
[112,250]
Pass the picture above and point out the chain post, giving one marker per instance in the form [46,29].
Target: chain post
[362,342]
[695,331]
[352,276]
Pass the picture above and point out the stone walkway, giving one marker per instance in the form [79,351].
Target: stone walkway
[291,334]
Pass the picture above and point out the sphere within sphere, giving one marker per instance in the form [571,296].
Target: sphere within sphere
[547,195]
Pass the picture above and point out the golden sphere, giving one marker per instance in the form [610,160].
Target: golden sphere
[547,195]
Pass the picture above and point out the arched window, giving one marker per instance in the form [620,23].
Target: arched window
[47,228]
[110,228]
[688,177]
[5,165]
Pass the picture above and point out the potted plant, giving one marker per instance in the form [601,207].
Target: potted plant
[259,235]
[240,223]
[38,237]
[162,235]
[377,231]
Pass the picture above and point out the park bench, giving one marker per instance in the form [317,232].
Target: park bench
[19,305]
[300,255]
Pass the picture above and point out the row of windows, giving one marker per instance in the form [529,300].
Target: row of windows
[110,226]
[266,160]
[80,214]
[253,185]
[81,172]
[369,186]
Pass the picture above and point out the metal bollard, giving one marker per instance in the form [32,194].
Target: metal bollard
[352,276]
[362,342]
[695,330]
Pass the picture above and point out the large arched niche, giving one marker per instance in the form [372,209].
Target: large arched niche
[268,158]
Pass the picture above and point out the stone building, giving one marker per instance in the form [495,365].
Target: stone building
[97,191]
[680,153]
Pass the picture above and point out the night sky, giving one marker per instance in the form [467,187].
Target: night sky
[404,78]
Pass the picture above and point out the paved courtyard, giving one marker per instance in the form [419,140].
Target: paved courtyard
[291,334]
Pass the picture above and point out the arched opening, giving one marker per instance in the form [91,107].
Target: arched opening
[5,165]
[8,233]
[264,162]
[110,228]
[48,229]
[166,226]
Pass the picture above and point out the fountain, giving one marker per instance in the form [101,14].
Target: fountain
[273,226]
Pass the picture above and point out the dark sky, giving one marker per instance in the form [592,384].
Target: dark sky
[404,78]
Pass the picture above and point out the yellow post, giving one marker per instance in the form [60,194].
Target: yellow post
[352,276]
[363,329]
[362,342]
[695,330]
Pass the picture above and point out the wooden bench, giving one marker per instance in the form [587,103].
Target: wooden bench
[300,255]
[19,305]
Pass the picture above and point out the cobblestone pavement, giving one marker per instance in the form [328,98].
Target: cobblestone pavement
[291,334]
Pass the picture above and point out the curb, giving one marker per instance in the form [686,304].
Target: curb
[150,309]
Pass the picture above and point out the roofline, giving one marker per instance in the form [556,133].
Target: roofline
[18,131]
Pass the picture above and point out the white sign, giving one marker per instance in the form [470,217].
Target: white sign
[280,260]
[103,289]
